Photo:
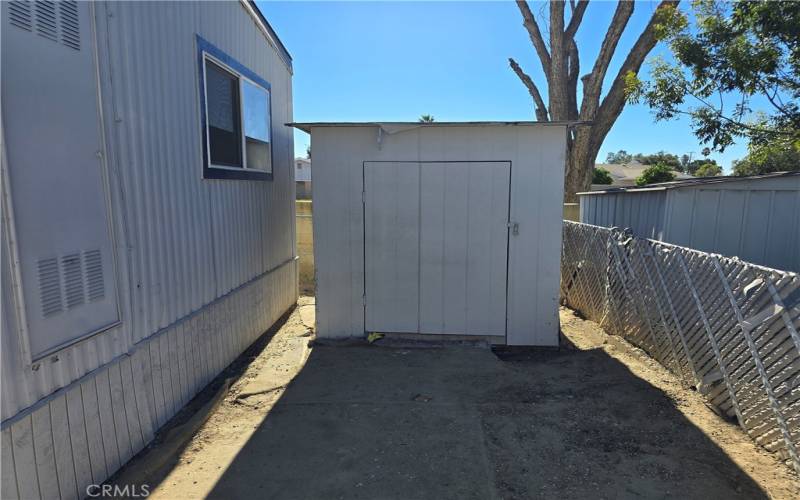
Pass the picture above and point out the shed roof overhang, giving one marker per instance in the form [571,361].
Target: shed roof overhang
[392,127]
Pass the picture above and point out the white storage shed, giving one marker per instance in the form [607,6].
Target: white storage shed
[438,229]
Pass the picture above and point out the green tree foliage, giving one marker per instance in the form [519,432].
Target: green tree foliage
[662,157]
[708,170]
[601,176]
[621,157]
[655,173]
[693,166]
[426,119]
[735,51]
[772,156]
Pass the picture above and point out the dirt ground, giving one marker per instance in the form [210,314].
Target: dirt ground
[594,419]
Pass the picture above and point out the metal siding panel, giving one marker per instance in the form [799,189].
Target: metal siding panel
[78,439]
[63,449]
[706,203]
[781,250]
[25,458]
[729,233]
[44,452]
[680,217]
[756,226]
[96,434]
[8,479]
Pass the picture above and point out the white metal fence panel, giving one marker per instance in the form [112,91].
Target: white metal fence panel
[725,326]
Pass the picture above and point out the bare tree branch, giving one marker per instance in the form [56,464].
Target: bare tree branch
[614,101]
[536,36]
[541,109]
[593,82]
[575,21]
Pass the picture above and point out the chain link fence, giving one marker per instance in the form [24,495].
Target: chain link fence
[726,327]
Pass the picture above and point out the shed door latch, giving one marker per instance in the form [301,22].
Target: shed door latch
[514,226]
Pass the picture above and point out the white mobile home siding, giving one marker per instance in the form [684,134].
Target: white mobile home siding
[536,154]
[203,266]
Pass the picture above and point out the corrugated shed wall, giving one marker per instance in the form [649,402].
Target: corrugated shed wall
[643,212]
[757,221]
[182,242]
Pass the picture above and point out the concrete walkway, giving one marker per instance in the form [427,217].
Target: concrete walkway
[597,419]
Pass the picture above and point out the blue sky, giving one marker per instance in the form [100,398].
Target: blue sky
[394,61]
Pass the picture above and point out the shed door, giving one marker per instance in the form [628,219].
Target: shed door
[436,247]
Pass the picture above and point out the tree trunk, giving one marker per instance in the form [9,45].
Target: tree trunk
[580,162]
[560,65]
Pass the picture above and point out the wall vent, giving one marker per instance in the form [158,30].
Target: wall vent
[56,21]
[46,21]
[73,280]
[49,287]
[69,281]
[19,14]
[70,25]
[93,267]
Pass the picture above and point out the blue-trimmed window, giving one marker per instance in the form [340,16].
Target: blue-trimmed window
[236,118]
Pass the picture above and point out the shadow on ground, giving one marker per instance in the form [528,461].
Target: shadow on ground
[458,422]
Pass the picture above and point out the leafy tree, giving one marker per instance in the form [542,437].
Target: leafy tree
[601,176]
[774,156]
[694,165]
[734,52]
[708,170]
[668,159]
[620,157]
[655,173]
[561,68]
[308,151]
[426,119]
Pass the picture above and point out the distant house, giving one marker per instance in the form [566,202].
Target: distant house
[755,218]
[302,178]
[625,174]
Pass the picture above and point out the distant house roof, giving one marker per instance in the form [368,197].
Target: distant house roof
[692,181]
[626,173]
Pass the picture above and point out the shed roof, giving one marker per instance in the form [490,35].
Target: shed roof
[390,127]
[663,186]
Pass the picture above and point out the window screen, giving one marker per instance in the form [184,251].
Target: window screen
[256,126]
[224,130]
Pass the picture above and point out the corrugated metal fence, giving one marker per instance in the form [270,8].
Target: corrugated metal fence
[727,327]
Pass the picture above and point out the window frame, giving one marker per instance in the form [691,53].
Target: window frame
[208,52]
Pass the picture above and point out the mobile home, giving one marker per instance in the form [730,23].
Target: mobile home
[148,222]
